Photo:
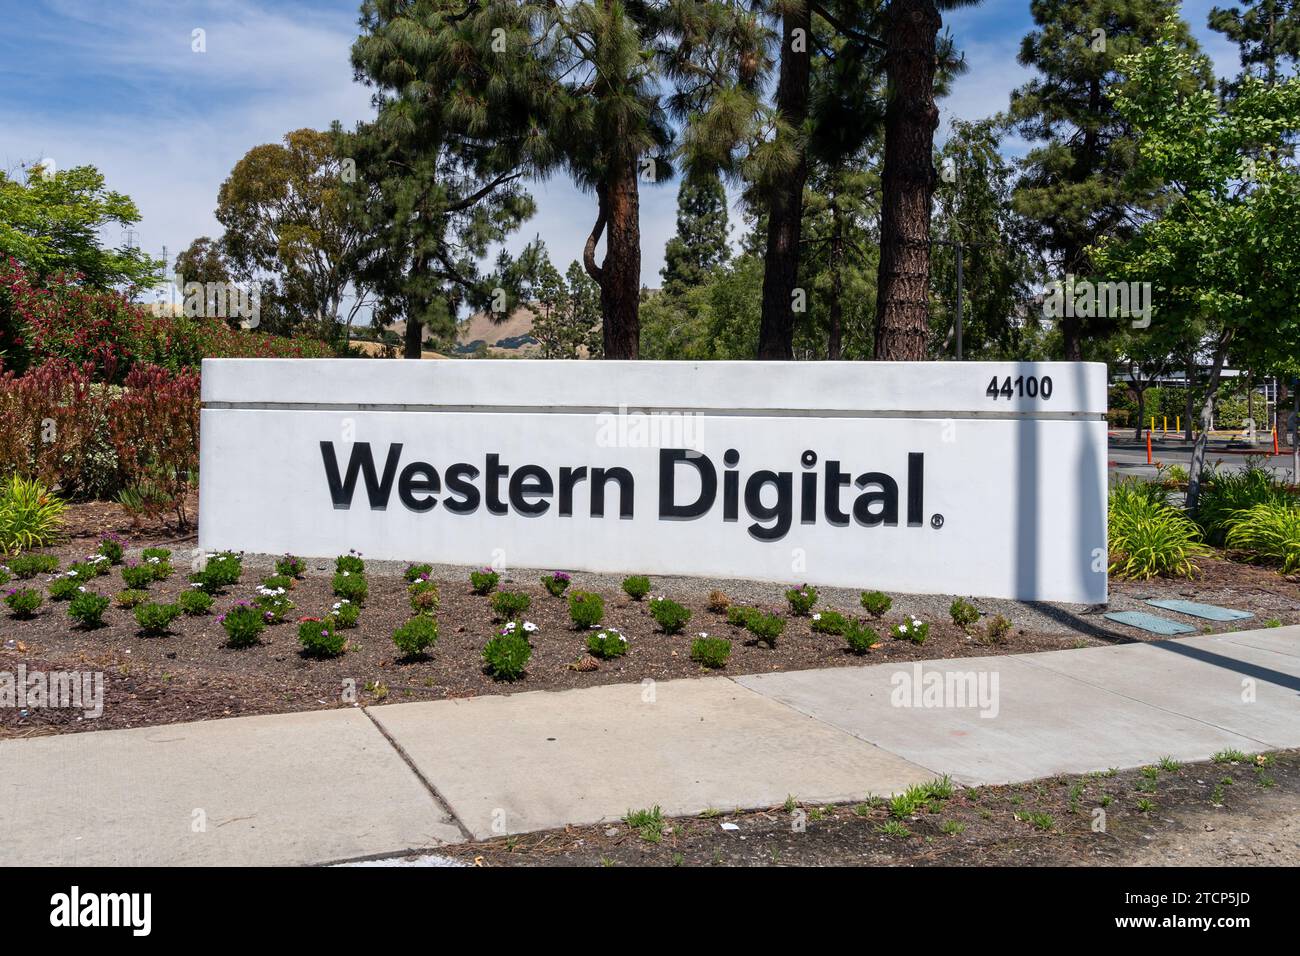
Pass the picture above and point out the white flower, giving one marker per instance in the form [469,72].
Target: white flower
[703,634]
[153,560]
[196,584]
[817,616]
[529,626]
[902,629]
[622,638]
[82,590]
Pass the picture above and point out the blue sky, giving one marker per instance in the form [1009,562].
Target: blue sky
[115,83]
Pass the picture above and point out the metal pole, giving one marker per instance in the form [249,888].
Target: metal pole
[958,246]
[1295,432]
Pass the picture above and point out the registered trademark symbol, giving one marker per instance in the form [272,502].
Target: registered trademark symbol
[936,521]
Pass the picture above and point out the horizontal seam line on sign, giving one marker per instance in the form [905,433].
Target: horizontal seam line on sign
[651,409]
[438,798]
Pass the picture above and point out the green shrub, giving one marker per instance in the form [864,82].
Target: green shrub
[963,613]
[877,603]
[29,565]
[65,588]
[738,615]
[425,597]
[607,643]
[350,562]
[669,615]
[219,572]
[154,619]
[712,652]
[766,627]
[87,609]
[162,554]
[506,655]
[30,515]
[913,629]
[586,608]
[415,572]
[281,581]
[556,583]
[829,622]
[131,597]
[1226,495]
[1268,532]
[1149,537]
[138,577]
[243,624]
[860,636]
[5,576]
[160,568]
[319,638]
[417,634]
[97,564]
[290,566]
[194,602]
[483,581]
[636,586]
[801,599]
[996,631]
[111,547]
[510,604]
[82,571]
[351,586]
[345,613]
[274,604]
[23,602]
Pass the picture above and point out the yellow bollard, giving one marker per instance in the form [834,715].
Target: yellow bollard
[1165,421]
[1178,423]
[1153,423]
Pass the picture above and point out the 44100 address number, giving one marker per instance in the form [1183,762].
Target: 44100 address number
[1022,386]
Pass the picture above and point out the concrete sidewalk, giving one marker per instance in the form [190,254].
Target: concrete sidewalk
[345,784]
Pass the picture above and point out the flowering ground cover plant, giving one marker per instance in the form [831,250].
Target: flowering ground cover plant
[291,566]
[350,562]
[243,624]
[155,619]
[710,652]
[556,583]
[352,586]
[23,602]
[64,588]
[506,655]
[29,565]
[829,622]
[801,599]
[607,643]
[636,586]
[194,602]
[508,605]
[860,637]
[877,603]
[345,613]
[137,576]
[484,580]
[417,572]
[586,609]
[131,597]
[273,603]
[319,638]
[112,547]
[417,635]
[913,629]
[87,609]
[669,615]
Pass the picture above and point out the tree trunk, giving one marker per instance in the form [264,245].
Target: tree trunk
[1142,408]
[833,345]
[1207,415]
[411,341]
[785,198]
[907,181]
[1189,404]
[620,273]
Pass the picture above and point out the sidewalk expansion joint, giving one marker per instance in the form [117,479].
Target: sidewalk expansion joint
[438,798]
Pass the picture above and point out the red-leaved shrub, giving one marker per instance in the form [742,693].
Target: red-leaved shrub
[155,425]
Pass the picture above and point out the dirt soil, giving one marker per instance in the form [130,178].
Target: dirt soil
[191,674]
[1228,812]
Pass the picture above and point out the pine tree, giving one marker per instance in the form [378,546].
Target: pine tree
[700,245]
[1075,189]
[1267,33]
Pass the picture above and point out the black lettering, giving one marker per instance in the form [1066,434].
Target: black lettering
[460,477]
[835,480]
[783,483]
[668,460]
[887,496]
[915,489]
[568,478]
[361,460]
[495,472]
[530,480]
[418,477]
[602,476]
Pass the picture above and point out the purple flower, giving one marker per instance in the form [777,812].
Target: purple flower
[560,576]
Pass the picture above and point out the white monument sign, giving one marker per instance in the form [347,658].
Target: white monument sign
[946,477]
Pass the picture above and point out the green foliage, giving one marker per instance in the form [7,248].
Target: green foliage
[1149,537]
[829,622]
[765,627]
[53,223]
[29,565]
[860,637]
[347,584]
[996,631]
[738,615]
[319,637]
[556,583]
[111,548]
[290,566]
[801,599]
[607,643]
[87,609]
[636,586]
[414,572]
[648,823]
[30,514]
[586,608]
[963,613]
[1269,532]
[1226,494]
[64,588]
[426,597]
[669,615]
[345,613]
[877,603]
[274,603]
[913,629]
[416,635]
[506,655]
[350,562]
[195,602]
[483,582]
[711,652]
[510,604]
[219,572]
[155,619]
[137,576]
[130,598]
[23,602]
[280,582]
[700,245]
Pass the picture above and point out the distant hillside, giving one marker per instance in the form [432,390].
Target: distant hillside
[510,337]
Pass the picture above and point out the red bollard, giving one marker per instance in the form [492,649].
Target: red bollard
[1149,446]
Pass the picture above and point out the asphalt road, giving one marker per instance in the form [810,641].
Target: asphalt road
[1128,457]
